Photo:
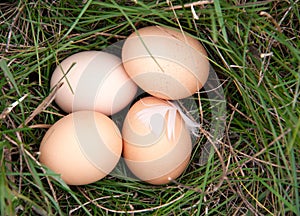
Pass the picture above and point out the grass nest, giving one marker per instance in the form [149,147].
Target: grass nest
[252,45]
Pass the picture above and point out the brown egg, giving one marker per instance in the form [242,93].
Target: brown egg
[83,147]
[93,80]
[156,143]
[165,62]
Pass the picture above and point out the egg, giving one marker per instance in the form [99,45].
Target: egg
[156,142]
[83,147]
[93,80]
[165,62]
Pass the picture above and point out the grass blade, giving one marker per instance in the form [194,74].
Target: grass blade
[220,18]
[9,75]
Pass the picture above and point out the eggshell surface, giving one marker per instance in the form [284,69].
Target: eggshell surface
[164,62]
[93,80]
[82,147]
[156,143]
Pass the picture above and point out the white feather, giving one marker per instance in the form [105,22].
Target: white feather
[171,109]
[191,125]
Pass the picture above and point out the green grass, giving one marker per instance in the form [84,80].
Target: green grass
[253,47]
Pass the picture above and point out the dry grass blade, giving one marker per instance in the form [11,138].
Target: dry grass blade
[266,14]
[12,26]
[187,5]
[92,201]
[45,103]
[8,109]
[129,211]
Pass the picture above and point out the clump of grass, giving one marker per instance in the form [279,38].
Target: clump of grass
[253,47]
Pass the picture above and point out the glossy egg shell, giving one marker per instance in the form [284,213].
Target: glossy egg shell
[149,152]
[83,147]
[93,80]
[165,62]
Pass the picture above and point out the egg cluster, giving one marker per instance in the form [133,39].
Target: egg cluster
[155,140]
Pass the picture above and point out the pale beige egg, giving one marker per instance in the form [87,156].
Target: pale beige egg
[165,62]
[93,80]
[83,147]
[156,143]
